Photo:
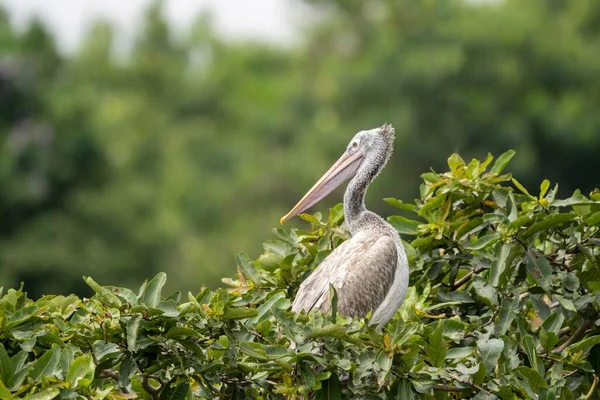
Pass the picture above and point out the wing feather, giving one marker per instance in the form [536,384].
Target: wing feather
[360,269]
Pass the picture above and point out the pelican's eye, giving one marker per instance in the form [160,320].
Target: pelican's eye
[353,147]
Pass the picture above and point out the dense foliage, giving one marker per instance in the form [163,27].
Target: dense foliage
[504,302]
[176,153]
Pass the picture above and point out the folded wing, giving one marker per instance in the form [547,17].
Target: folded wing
[361,270]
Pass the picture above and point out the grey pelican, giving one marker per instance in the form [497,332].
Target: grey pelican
[369,271]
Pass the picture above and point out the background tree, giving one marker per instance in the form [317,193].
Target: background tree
[183,151]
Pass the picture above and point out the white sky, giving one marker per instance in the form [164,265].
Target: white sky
[237,19]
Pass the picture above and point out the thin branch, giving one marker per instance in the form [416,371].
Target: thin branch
[592,389]
[109,373]
[152,391]
[447,388]
[471,384]
[466,278]
[578,334]
[564,331]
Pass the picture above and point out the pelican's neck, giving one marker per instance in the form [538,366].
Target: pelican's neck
[354,197]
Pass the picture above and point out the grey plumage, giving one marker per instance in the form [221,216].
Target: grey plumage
[370,270]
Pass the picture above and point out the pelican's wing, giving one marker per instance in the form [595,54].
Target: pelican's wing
[360,269]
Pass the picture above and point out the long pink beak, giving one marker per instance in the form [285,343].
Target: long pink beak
[343,169]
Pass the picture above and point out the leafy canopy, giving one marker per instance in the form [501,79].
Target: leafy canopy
[503,303]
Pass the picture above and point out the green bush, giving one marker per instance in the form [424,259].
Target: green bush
[503,303]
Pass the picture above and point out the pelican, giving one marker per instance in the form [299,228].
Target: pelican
[369,271]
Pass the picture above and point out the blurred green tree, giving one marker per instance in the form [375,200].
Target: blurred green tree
[188,148]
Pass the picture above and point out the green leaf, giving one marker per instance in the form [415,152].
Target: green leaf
[4,392]
[133,325]
[125,294]
[82,367]
[20,368]
[455,161]
[499,264]
[472,170]
[540,269]
[152,292]
[239,313]
[575,200]
[502,162]
[178,392]
[104,295]
[454,329]
[585,344]
[66,359]
[485,291]
[513,216]
[313,219]
[266,306]
[330,389]
[544,188]
[593,219]
[279,247]
[400,204]
[506,316]
[459,352]
[384,361]
[548,222]
[404,225]
[484,241]
[47,364]
[479,375]
[246,265]
[490,351]
[532,376]
[334,303]
[105,350]
[401,390]
[534,360]
[520,187]
[6,369]
[21,316]
[547,394]
[126,370]
[548,339]
[308,376]
[569,281]
[436,349]
[567,304]
[180,331]
[46,394]
[431,177]
[331,330]
[554,322]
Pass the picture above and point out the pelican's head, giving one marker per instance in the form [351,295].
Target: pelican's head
[367,148]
